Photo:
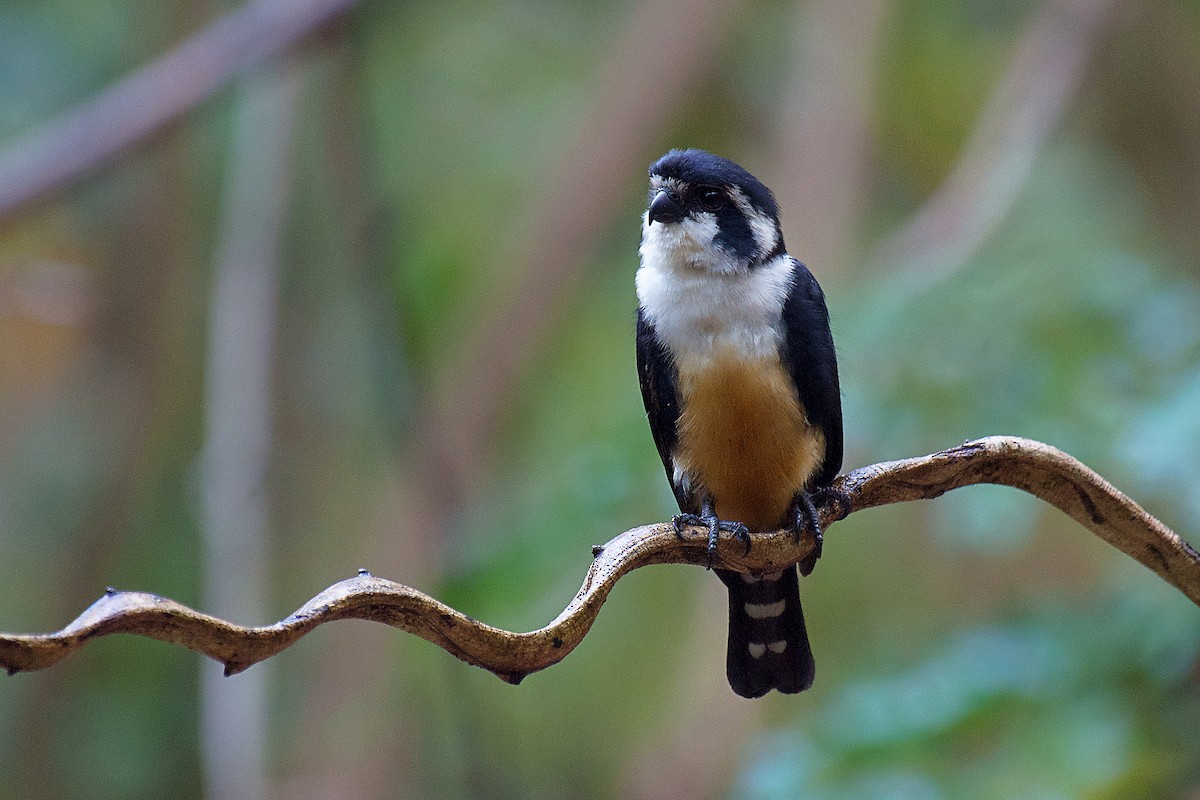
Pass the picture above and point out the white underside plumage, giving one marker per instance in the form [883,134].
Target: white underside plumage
[697,306]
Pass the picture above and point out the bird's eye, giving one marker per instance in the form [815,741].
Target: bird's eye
[712,199]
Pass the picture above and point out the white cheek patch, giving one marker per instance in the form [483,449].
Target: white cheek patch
[762,228]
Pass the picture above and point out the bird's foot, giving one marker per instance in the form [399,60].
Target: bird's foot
[715,526]
[807,518]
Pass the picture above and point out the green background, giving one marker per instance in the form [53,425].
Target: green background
[452,412]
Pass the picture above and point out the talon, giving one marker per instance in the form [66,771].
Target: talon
[739,532]
[807,518]
[714,532]
[708,518]
[681,521]
[818,546]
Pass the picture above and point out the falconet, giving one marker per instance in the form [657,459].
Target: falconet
[739,378]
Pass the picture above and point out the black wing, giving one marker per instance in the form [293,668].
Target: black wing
[659,379]
[812,362]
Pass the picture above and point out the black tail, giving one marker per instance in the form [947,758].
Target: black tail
[768,644]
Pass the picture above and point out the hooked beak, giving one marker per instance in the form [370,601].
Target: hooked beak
[664,208]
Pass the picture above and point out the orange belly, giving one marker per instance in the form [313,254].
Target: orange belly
[744,437]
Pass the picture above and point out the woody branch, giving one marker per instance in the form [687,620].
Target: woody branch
[1034,467]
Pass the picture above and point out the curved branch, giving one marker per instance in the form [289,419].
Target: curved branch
[1041,470]
[1048,474]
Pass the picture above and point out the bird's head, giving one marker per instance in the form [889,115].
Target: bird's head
[707,213]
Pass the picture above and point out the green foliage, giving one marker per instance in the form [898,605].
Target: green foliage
[1057,701]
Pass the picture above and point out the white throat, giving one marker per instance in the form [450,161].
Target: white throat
[690,244]
[700,302]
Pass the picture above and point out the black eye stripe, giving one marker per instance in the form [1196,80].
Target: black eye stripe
[734,233]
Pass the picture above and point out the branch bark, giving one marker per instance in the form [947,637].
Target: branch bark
[1041,470]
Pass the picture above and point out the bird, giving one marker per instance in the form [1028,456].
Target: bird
[739,378]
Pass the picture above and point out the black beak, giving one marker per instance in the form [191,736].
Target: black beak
[664,208]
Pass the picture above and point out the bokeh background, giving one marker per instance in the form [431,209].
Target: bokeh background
[369,303]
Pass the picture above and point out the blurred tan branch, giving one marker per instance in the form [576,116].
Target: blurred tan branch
[1026,108]
[1037,468]
[83,138]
